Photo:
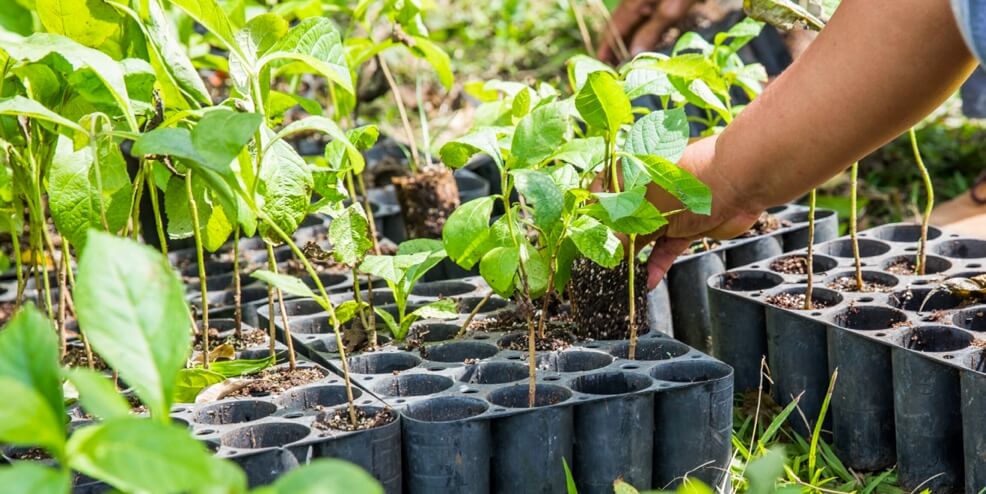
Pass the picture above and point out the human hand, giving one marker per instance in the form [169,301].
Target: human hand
[637,25]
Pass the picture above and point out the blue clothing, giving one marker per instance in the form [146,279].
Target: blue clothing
[971,18]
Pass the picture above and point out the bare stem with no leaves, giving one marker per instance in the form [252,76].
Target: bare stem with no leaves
[811,249]
[200,257]
[853,220]
[929,188]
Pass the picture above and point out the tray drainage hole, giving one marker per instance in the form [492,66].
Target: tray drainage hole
[204,432]
[691,371]
[435,369]
[499,410]
[696,356]
[481,337]
[813,314]
[866,300]
[948,357]
[367,378]
[755,266]
[974,266]
[446,409]
[881,335]
[516,396]
[747,280]
[924,299]
[870,317]
[630,366]
[312,397]
[179,410]
[412,385]
[513,357]
[906,249]
[660,349]
[936,339]
[575,360]
[400,400]
[470,391]
[234,412]
[294,415]
[459,351]
[920,282]
[552,378]
[595,345]
[493,373]
[382,363]
[610,383]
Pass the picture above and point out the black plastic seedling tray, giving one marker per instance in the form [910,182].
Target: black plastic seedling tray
[911,386]
[680,305]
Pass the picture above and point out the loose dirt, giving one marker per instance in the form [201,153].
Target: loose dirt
[277,381]
[339,420]
[600,300]
[767,223]
[848,284]
[795,301]
[791,265]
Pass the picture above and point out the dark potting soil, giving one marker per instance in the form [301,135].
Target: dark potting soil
[248,339]
[703,245]
[600,300]
[902,266]
[214,340]
[427,199]
[791,265]
[339,419]
[75,357]
[556,337]
[767,223]
[277,381]
[7,310]
[937,316]
[848,284]
[795,301]
[29,454]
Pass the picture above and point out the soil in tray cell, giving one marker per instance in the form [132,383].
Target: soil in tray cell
[848,284]
[365,419]
[796,301]
[276,381]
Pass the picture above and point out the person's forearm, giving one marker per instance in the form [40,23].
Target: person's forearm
[875,70]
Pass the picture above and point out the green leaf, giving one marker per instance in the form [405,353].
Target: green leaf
[620,204]
[286,185]
[347,310]
[73,191]
[324,476]
[640,81]
[763,472]
[439,309]
[286,283]
[220,135]
[584,154]
[25,477]
[466,231]
[167,141]
[170,59]
[541,191]
[89,22]
[691,67]
[564,259]
[433,252]
[537,269]
[436,57]
[699,93]
[457,152]
[214,225]
[660,133]
[191,382]
[603,104]
[15,18]
[131,306]
[140,455]
[21,106]
[240,367]
[695,195]
[316,44]
[32,413]
[346,152]
[539,135]
[580,67]
[97,393]
[324,126]
[211,15]
[71,58]
[499,267]
[596,242]
[570,481]
[388,319]
[350,236]
[643,220]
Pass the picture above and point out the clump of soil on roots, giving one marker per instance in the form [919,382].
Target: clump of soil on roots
[600,300]
[556,337]
[427,199]
[795,301]
[767,223]
[365,419]
[278,380]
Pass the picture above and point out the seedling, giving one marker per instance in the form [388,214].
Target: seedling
[414,258]
[929,204]
[810,257]
[853,220]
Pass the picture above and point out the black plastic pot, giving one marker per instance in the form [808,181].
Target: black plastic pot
[973,386]
[826,228]
[687,282]
[698,418]
[377,450]
[443,451]
[471,185]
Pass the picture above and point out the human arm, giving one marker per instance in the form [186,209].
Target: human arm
[639,24]
[875,70]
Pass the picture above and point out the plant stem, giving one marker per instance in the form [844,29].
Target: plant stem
[200,257]
[531,330]
[472,314]
[135,206]
[402,110]
[62,299]
[237,292]
[543,319]
[156,208]
[811,249]
[285,320]
[853,220]
[271,328]
[21,283]
[423,117]
[356,291]
[369,216]
[326,304]
[631,273]
[929,189]
[583,30]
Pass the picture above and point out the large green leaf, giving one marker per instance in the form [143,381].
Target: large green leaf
[97,393]
[89,22]
[241,367]
[32,412]
[467,230]
[640,81]
[330,128]
[433,251]
[580,67]
[620,204]
[70,58]
[211,15]
[596,241]
[215,226]
[457,152]
[324,476]
[695,195]
[350,236]
[690,67]
[539,135]
[131,306]
[584,154]
[220,136]
[25,477]
[140,455]
[16,18]
[541,191]
[641,221]
[436,57]
[21,106]
[286,185]
[191,382]
[73,189]
[170,59]
[284,282]
[660,133]
[602,103]
[499,267]
[316,44]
